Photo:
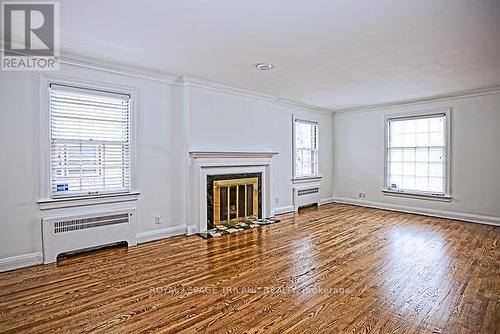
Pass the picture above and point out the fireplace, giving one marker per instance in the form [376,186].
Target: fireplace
[233,197]
[209,166]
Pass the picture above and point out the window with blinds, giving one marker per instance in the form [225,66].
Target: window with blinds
[306,148]
[417,154]
[89,141]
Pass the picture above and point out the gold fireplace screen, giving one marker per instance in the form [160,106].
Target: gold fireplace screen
[236,199]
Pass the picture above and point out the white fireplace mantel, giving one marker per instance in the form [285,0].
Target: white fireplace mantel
[204,163]
[231,154]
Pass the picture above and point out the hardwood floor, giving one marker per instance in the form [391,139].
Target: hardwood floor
[337,269]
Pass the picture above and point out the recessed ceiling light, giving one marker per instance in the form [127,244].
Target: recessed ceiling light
[264,66]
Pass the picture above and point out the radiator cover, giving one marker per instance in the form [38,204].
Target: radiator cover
[65,233]
[306,193]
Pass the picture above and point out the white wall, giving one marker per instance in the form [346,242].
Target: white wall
[216,121]
[475,159]
[19,215]
[222,121]
[161,173]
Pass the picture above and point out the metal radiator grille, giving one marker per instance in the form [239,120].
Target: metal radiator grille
[307,191]
[85,223]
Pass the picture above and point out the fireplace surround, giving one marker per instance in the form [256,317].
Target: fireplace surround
[215,164]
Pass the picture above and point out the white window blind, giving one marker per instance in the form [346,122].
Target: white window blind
[416,154]
[306,148]
[89,141]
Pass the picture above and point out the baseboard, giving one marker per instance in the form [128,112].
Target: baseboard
[283,209]
[20,261]
[468,217]
[160,234]
[327,200]
[190,230]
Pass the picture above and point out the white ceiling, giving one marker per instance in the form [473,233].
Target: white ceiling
[333,54]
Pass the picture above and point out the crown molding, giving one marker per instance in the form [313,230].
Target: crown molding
[181,80]
[189,81]
[97,64]
[302,106]
[438,98]
[186,81]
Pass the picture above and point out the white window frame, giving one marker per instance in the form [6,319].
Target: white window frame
[46,199]
[316,175]
[447,129]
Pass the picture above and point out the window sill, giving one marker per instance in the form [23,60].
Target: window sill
[439,198]
[306,179]
[51,203]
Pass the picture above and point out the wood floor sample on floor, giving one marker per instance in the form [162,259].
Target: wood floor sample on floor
[337,269]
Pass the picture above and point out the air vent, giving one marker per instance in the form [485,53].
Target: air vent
[307,191]
[85,223]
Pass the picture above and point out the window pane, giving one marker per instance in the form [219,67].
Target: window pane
[422,169]
[409,139]
[396,128]
[409,154]
[90,146]
[313,161]
[306,135]
[422,139]
[395,181]
[397,140]
[422,183]
[408,182]
[306,145]
[409,168]
[396,168]
[306,163]
[436,154]
[422,154]
[409,126]
[436,139]
[436,124]
[396,154]
[422,125]
[436,169]
[416,154]
[436,184]
[298,163]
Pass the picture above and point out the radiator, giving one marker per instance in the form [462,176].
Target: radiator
[79,232]
[306,194]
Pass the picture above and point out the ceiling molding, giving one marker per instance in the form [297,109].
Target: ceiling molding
[440,98]
[196,82]
[96,64]
[184,80]
[302,106]
[107,66]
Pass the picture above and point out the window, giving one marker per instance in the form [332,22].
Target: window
[306,149]
[89,142]
[417,154]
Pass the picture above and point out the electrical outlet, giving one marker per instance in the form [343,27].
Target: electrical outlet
[362,195]
[276,200]
[157,220]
